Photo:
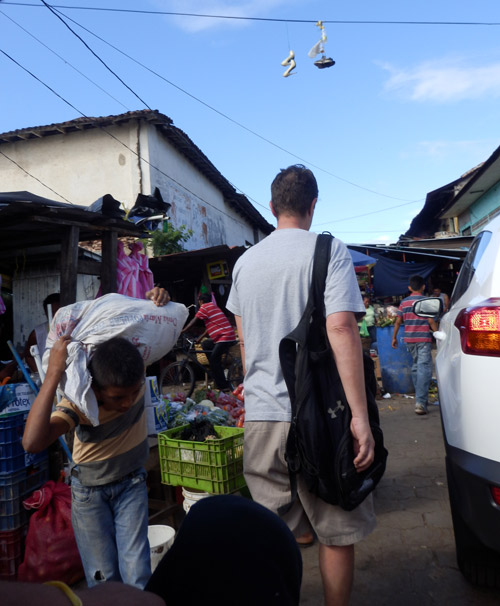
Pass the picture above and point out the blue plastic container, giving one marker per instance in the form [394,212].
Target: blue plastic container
[395,364]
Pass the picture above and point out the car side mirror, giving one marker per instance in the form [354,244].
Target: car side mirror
[428,307]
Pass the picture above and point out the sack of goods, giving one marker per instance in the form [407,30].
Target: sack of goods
[154,330]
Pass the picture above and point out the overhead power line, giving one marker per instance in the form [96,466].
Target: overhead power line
[225,116]
[64,60]
[56,14]
[110,135]
[33,176]
[372,212]
[271,19]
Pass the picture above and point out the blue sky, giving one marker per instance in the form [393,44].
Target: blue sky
[405,110]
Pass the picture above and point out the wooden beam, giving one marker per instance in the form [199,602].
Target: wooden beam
[69,265]
[108,263]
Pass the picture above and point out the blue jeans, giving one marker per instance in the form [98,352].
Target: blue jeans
[421,370]
[111,530]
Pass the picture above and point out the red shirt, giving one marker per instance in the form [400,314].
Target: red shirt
[416,329]
[218,326]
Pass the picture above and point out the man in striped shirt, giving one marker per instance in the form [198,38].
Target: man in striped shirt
[221,334]
[418,341]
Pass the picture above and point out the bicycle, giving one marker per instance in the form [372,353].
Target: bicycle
[180,376]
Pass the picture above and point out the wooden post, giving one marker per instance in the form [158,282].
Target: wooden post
[69,265]
[108,262]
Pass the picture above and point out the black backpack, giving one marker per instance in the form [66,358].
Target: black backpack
[320,444]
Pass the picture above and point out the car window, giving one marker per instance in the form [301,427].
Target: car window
[469,267]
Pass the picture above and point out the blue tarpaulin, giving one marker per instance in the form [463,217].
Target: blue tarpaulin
[390,278]
[359,259]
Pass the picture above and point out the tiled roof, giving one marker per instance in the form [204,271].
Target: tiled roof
[178,138]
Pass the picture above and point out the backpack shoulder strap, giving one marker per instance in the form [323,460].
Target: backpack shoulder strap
[320,269]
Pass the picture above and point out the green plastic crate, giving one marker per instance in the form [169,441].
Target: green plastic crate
[214,466]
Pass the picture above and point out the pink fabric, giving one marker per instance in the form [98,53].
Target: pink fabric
[133,276]
[145,274]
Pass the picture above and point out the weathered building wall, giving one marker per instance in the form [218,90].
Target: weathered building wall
[29,289]
[196,202]
[80,167]
[481,212]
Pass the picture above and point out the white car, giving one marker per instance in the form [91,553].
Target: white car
[468,376]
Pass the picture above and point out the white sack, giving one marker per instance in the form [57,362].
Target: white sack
[154,330]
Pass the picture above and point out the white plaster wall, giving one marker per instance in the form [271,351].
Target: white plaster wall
[80,167]
[30,288]
[196,202]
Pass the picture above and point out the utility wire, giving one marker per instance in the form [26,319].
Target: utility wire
[373,212]
[33,177]
[270,19]
[95,54]
[232,120]
[113,137]
[65,61]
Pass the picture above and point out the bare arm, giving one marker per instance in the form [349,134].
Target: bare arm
[343,335]
[239,328]
[433,324]
[397,324]
[41,430]
[188,326]
[201,336]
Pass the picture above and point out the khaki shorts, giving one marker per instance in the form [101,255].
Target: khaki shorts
[266,474]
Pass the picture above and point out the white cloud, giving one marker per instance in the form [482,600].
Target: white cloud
[444,81]
[441,149]
[233,8]
[384,239]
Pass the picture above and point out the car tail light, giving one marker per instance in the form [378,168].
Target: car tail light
[479,328]
[495,493]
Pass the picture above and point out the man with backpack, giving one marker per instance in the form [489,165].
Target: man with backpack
[270,289]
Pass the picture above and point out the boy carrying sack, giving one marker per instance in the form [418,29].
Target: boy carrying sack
[108,483]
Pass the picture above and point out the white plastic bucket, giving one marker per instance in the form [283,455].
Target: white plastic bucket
[191,497]
[160,540]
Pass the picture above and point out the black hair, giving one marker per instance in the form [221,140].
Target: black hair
[293,190]
[54,297]
[116,363]
[205,297]
[416,282]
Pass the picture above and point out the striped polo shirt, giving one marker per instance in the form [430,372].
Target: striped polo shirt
[417,329]
[111,450]
[216,323]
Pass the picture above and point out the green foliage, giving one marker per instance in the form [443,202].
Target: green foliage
[168,241]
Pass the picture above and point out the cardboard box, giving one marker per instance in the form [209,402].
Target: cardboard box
[157,418]
[15,397]
[152,394]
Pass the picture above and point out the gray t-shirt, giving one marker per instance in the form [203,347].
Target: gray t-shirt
[270,289]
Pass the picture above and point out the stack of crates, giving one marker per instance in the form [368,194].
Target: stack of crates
[20,474]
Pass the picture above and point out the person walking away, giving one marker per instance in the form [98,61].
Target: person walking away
[222,337]
[268,300]
[418,340]
[109,508]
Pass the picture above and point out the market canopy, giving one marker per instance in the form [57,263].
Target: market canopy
[391,277]
[361,261]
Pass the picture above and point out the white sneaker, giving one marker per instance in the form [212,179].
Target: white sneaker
[420,409]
